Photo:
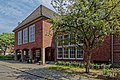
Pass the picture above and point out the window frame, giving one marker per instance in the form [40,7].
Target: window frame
[19,37]
[25,35]
[69,46]
[31,33]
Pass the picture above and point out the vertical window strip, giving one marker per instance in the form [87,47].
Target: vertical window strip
[60,53]
[79,52]
[32,33]
[72,52]
[66,52]
[19,37]
[25,35]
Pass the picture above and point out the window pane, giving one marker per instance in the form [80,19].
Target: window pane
[79,52]
[25,33]
[66,52]
[60,40]
[72,39]
[32,33]
[66,39]
[19,37]
[72,52]
[60,53]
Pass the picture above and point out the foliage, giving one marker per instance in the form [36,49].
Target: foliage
[90,21]
[9,57]
[115,65]
[7,39]
[106,72]
[82,65]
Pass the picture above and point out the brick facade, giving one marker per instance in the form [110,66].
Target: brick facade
[44,39]
[38,37]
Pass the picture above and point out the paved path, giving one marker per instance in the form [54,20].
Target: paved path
[11,70]
[11,74]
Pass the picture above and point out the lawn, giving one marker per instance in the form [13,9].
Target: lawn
[94,74]
[77,71]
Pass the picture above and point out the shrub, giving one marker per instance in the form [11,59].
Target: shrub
[81,65]
[106,72]
[115,66]
[9,57]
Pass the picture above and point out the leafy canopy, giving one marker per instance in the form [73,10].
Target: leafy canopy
[6,39]
[90,21]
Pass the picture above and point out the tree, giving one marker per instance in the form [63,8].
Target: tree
[7,39]
[91,21]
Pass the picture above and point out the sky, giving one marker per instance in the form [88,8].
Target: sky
[14,11]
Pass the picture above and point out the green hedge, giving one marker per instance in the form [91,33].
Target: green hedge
[81,65]
[9,57]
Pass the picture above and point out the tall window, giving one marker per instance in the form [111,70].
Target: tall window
[19,37]
[25,35]
[32,33]
[60,52]
[66,39]
[72,52]
[66,52]
[60,40]
[79,52]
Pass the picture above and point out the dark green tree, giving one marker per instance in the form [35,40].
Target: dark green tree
[91,21]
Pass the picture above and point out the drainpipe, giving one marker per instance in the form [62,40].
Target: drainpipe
[112,47]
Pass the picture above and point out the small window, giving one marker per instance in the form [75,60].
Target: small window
[72,39]
[32,33]
[60,40]
[25,35]
[66,39]
[66,52]
[60,53]
[72,52]
[79,52]
[19,37]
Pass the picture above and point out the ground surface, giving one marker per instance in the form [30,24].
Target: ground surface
[10,70]
[10,74]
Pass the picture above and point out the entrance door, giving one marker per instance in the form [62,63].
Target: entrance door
[49,54]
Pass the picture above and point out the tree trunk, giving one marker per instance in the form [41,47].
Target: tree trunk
[88,58]
[4,52]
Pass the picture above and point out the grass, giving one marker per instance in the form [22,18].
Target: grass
[77,71]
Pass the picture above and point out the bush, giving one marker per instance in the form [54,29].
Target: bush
[9,57]
[115,66]
[106,72]
[81,65]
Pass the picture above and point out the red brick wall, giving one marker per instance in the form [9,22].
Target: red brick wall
[38,37]
[116,50]
[103,52]
[47,34]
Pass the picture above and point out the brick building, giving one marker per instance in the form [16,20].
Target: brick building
[34,40]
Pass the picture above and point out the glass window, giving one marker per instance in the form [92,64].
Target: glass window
[66,39]
[60,38]
[65,52]
[25,35]
[60,53]
[72,39]
[19,37]
[72,52]
[79,52]
[32,33]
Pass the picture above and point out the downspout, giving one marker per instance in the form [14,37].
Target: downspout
[112,47]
